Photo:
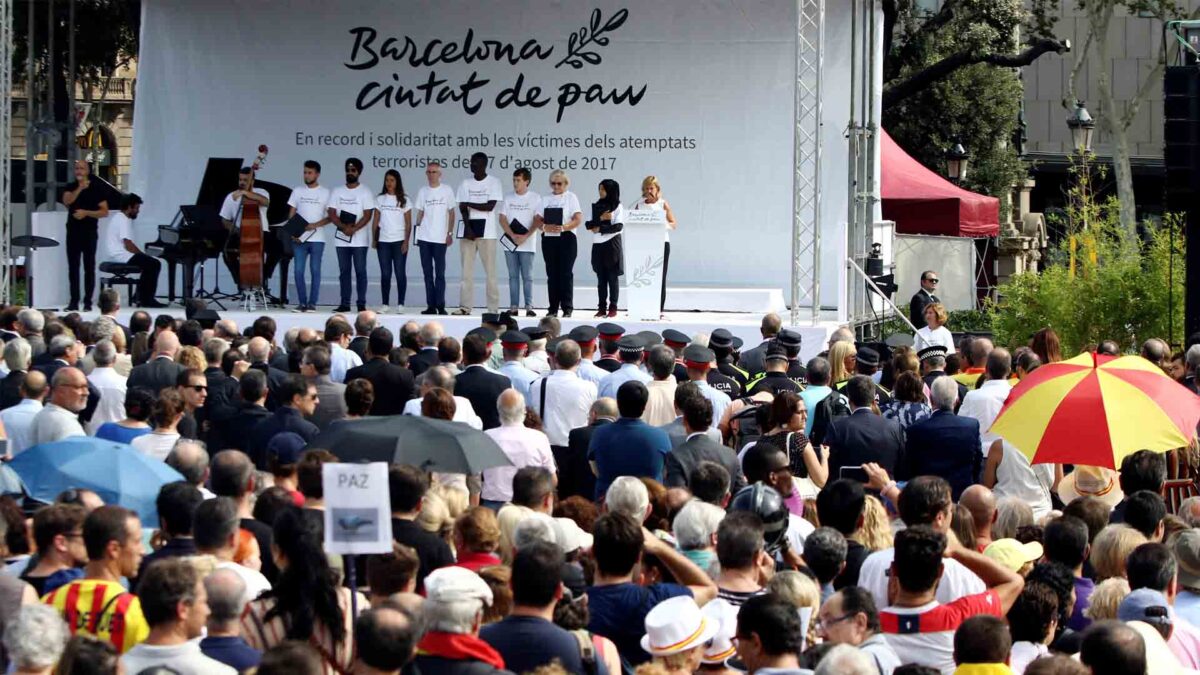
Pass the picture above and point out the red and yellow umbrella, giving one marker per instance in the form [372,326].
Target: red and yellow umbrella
[1096,410]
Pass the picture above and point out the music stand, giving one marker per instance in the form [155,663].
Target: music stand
[211,237]
[31,242]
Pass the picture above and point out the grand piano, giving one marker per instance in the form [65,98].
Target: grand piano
[197,235]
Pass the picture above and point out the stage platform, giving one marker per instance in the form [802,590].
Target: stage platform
[742,324]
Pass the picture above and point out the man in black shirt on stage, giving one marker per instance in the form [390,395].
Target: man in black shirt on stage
[86,205]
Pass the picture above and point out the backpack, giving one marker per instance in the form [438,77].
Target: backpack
[750,421]
[831,407]
[587,651]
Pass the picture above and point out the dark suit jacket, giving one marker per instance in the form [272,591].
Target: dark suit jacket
[685,457]
[222,401]
[754,360]
[575,475]
[482,387]
[85,415]
[10,389]
[279,360]
[420,362]
[37,345]
[156,374]
[864,437]
[238,432]
[916,306]
[944,445]
[359,346]
[42,360]
[275,378]
[394,385]
[331,402]
[283,419]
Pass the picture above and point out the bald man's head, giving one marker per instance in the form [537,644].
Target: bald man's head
[69,389]
[980,501]
[166,343]
[34,385]
[981,347]
[258,350]
[605,407]
[226,598]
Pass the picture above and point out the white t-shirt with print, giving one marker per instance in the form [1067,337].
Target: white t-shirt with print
[567,201]
[618,216]
[310,204]
[435,205]
[481,192]
[231,209]
[356,200]
[112,246]
[642,204]
[391,217]
[522,209]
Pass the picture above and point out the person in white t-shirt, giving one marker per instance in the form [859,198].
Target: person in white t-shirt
[352,238]
[435,232]
[231,215]
[652,199]
[559,246]
[117,246]
[608,253]
[393,230]
[478,197]
[309,201]
[518,212]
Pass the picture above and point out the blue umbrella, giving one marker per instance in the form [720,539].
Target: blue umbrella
[115,471]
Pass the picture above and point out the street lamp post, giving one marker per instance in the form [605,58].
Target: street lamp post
[957,160]
[1082,128]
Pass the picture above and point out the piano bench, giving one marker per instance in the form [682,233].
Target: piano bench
[119,275]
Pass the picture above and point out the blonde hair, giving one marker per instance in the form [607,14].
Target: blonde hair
[1106,598]
[1110,549]
[651,181]
[801,592]
[838,352]
[876,530]
[559,173]
[478,529]
[652,668]
[191,357]
[1011,515]
[939,310]
[456,499]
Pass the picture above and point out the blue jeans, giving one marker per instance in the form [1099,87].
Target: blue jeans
[310,252]
[433,265]
[356,255]
[392,257]
[520,274]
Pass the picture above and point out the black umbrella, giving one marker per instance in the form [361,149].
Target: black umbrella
[430,444]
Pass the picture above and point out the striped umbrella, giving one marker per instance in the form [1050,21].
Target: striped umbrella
[1095,410]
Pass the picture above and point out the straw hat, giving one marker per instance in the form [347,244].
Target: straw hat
[676,625]
[1091,481]
[721,646]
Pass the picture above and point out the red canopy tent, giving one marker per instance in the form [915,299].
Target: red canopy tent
[922,202]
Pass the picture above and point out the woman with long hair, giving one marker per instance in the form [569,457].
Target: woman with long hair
[652,199]
[1046,345]
[785,430]
[842,357]
[393,228]
[306,604]
[935,332]
[608,252]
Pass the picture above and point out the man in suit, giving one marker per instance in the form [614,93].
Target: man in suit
[429,337]
[331,396]
[222,403]
[699,447]
[933,366]
[863,436]
[160,371]
[923,298]
[265,328]
[258,352]
[252,410]
[17,357]
[364,323]
[575,475]
[479,385]
[394,385]
[944,444]
[30,324]
[677,432]
[297,400]
[753,361]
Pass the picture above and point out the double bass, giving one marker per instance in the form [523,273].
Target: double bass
[247,257]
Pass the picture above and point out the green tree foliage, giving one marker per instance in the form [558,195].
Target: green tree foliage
[1125,286]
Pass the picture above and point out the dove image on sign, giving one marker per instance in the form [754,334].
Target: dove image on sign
[358,512]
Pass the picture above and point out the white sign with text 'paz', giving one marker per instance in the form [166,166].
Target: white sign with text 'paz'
[358,511]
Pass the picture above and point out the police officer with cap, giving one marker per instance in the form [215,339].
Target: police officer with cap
[933,366]
[867,363]
[722,343]
[698,361]
[586,337]
[513,344]
[537,360]
[790,340]
[631,348]
[495,323]
[609,334]
[677,340]
[775,379]
[649,338]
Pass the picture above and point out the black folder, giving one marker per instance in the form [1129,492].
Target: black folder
[553,216]
[475,227]
[295,226]
[517,227]
[347,218]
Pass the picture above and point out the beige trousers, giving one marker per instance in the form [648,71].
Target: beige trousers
[486,248]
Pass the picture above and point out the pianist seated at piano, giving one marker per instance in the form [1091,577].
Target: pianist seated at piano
[117,246]
[231,216]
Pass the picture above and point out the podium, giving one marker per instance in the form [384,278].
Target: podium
[644,234]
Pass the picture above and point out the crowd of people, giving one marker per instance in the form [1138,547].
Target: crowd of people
[673,504]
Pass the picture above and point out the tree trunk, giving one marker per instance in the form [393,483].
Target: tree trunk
[1112,120]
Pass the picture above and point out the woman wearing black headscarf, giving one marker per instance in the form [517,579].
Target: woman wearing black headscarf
[608,254]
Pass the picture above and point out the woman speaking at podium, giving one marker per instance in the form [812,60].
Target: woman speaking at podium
[652,199]
[560,215]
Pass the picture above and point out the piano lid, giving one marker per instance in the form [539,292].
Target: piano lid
[221,178]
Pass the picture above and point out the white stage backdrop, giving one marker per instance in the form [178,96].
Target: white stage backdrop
[699,94]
